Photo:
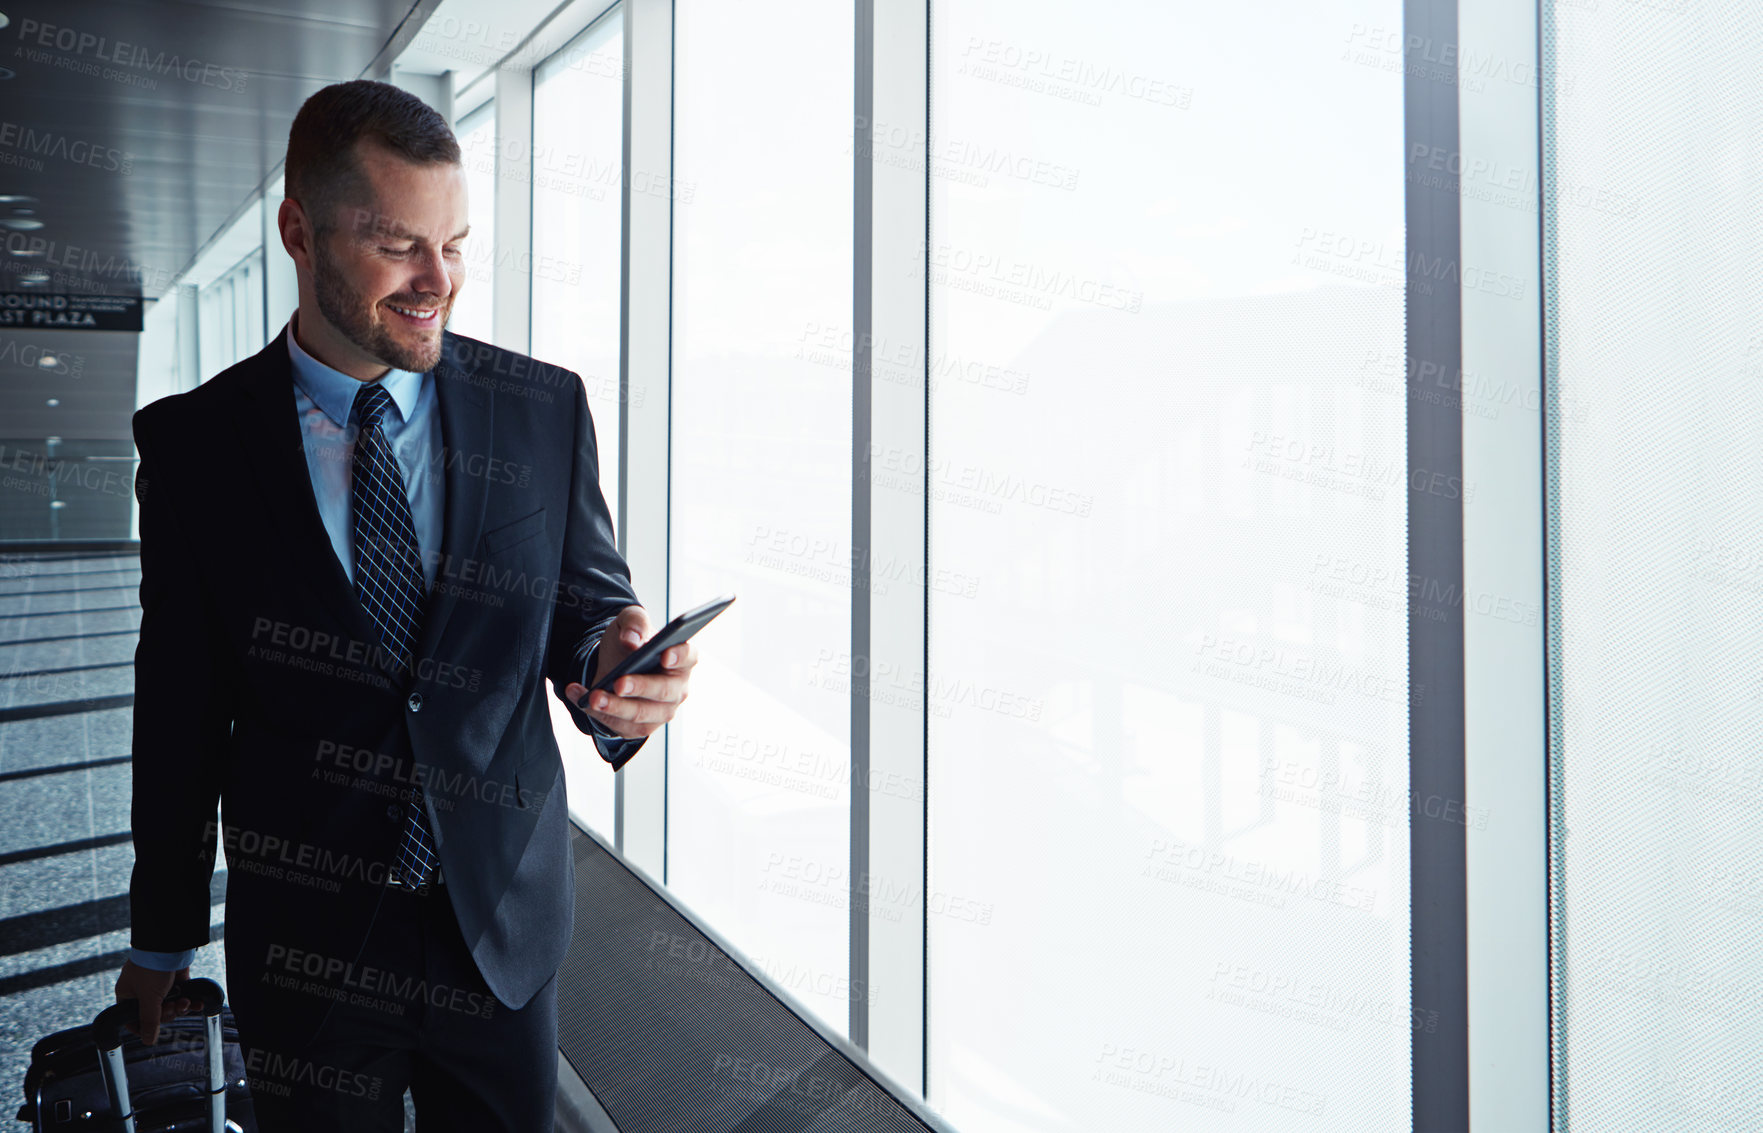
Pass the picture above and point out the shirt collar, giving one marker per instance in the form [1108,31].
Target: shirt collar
[334,391]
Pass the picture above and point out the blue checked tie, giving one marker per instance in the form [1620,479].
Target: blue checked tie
[389,582]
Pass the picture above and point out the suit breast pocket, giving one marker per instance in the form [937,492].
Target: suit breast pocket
[499,539]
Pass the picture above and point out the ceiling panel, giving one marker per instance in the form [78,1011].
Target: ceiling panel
[140,125]
[130,132]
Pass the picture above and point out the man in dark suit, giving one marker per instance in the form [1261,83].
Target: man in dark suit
[363,551]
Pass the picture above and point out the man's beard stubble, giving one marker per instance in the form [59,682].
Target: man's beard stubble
[350,312]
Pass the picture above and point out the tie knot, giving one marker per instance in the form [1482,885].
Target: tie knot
[371,401]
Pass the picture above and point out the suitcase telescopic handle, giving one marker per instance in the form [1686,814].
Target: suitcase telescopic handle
[107,1028]
[107,1035]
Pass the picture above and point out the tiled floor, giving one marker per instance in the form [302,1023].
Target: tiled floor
[68,626]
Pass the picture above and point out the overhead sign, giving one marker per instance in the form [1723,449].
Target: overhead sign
[35,311]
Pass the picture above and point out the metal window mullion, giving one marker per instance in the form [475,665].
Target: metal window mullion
[1435,560]
[862,649]
[1505,676]
[888,779]
[645,389]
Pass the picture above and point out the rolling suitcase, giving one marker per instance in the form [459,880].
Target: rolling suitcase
[102,1079]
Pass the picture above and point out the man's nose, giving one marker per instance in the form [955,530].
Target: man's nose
[431,276]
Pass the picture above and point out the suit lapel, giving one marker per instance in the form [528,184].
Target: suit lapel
[277,452]
[467,429]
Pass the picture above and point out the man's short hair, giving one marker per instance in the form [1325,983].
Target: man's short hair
[322,171]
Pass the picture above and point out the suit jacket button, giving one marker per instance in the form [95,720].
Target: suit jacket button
[392,812]
[416,702]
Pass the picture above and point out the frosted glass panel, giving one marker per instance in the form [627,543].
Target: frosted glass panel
[577,162]
[758,808]
[1168,707]
[1658,562]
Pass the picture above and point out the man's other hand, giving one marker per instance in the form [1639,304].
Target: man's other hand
[639,703]
[150,987]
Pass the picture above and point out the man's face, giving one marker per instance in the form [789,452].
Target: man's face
[388,271]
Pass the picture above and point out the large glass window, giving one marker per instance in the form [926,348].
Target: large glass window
[229,317]
[577,166]
[473,310]
[759,759]
[1651,124]
[1167,691]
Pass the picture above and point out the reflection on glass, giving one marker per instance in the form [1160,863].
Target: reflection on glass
[759,760]
[1167,697]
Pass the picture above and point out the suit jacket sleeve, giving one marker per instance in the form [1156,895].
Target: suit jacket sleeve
[183,715]
[593,585]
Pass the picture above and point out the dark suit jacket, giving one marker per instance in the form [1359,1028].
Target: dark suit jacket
[259,682]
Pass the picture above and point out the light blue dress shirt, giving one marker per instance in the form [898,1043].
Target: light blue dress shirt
[325,399]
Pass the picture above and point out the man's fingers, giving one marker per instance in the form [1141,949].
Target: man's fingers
[654,686]
[148,1028]
[633,626]
[620,710]
[583,699]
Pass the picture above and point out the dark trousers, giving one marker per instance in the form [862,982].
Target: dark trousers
[411,1013]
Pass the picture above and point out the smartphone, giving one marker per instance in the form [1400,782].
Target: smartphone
[646,658]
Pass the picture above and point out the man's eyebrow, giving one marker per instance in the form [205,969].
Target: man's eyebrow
[398,232]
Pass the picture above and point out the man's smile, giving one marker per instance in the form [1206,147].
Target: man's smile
[419,316]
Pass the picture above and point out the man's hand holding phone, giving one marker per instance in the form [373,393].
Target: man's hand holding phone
[638,704]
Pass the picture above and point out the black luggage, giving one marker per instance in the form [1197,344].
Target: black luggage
[102,1078]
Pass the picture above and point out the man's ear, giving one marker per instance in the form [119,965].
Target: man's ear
[297,233]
